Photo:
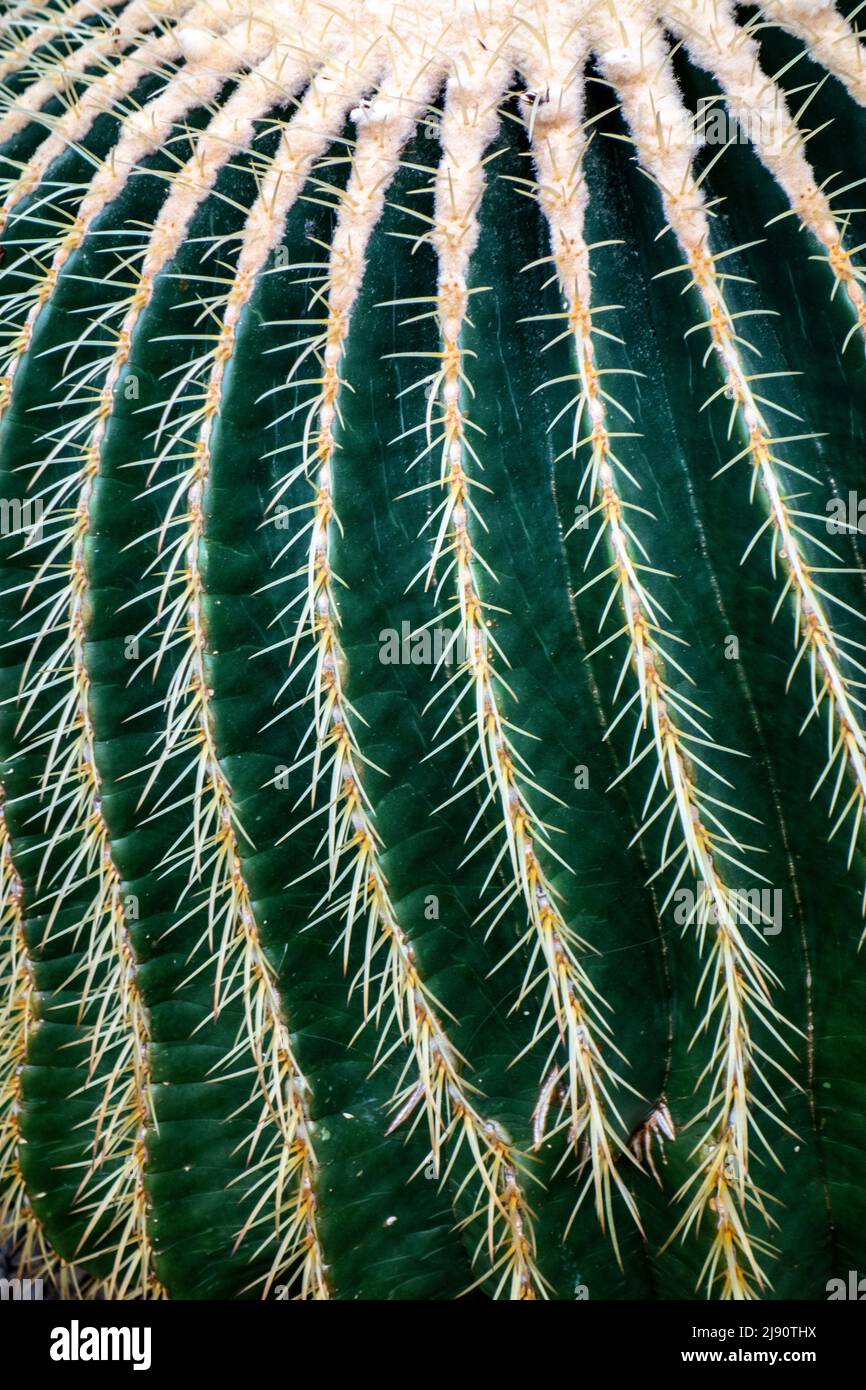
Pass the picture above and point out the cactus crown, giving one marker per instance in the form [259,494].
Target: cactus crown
[420,430]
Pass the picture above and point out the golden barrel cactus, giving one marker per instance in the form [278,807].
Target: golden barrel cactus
[433,751]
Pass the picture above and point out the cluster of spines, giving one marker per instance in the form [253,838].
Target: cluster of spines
[834,662]
[639,71]
[95,49]
[113,1187]
[432,1083]
[668,725]
[68,811]
[833,39]
[279,1147]
[728,50]
[113,1193]
[29,31]
[16,1003]
[22,1230]
[576,1067]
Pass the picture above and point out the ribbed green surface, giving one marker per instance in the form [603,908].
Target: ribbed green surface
[388,1228]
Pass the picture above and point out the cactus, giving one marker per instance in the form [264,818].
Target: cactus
[433,752]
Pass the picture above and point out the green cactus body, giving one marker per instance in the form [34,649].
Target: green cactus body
[432,743]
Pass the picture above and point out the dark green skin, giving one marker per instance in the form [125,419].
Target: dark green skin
[386,1236]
